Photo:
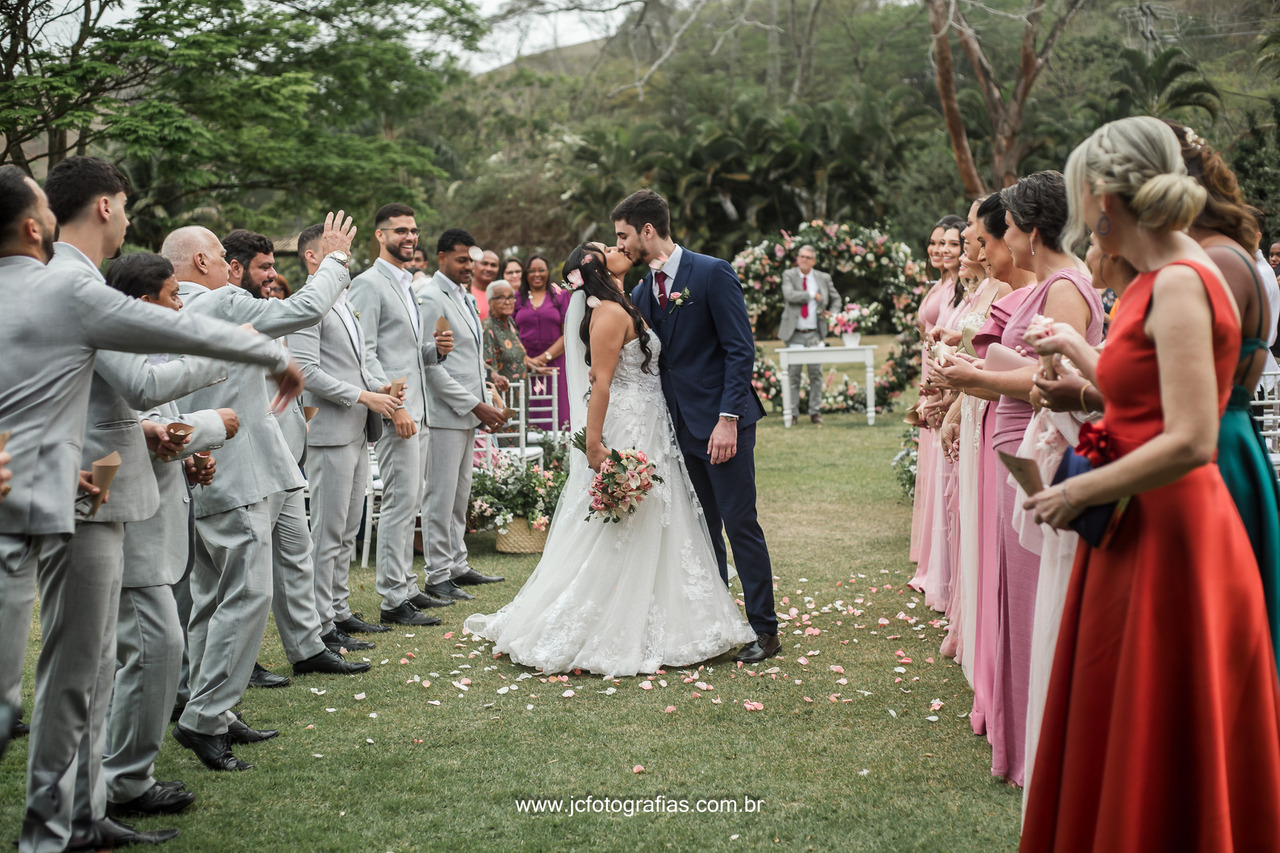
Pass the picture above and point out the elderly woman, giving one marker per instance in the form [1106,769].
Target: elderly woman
[504,355]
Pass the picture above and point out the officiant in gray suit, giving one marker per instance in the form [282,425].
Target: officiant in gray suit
[456,405]
[350,405]
[54,321]
[807,294]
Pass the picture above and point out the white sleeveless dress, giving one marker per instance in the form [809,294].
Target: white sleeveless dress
[628,598]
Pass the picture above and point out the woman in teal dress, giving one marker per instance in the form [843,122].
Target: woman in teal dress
[1228,232]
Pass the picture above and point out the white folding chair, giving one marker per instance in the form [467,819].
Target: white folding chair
[372,506]
[1266,411]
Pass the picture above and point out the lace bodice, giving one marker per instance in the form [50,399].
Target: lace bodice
[629,377]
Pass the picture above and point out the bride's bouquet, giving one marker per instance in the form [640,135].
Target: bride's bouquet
[624,479]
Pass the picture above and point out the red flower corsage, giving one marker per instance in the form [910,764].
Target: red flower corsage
[1095,445]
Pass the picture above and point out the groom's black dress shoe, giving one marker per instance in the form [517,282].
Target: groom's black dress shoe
[263,677]
[108,834]
[471,577]
[422,601]
[240,732]
[357,625]
[157,799]
[212,750]
[765,647]
[406,614]
[330,663]
[446,590]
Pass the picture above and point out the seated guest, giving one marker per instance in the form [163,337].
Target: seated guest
[504,355]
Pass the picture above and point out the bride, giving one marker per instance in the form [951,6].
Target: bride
[618,599]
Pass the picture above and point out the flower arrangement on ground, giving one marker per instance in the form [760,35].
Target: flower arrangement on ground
[506,489]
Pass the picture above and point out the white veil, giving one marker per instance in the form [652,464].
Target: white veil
[575,362]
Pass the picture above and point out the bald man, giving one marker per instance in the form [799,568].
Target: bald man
[486,273]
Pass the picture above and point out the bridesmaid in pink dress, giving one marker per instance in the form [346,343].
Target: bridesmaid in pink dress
[990,228]
[1036,213]
[944,255]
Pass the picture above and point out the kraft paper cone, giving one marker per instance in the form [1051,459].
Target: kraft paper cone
[4,438]
[509,413]
[180,430]
[104,471]
[397,386]
[442,325]
[201,460]
[309,412]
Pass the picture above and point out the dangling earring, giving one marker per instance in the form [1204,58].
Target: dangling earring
[1103,226]
[1031,241]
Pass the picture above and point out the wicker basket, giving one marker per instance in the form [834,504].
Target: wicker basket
[521,538]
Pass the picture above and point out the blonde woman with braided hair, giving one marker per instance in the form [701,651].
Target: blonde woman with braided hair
[1162,725]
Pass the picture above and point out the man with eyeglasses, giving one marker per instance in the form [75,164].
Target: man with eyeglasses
[398,344]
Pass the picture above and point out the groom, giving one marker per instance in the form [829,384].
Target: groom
[694,304]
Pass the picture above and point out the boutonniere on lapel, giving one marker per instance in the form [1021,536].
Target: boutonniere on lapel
[682,298]
[357,314]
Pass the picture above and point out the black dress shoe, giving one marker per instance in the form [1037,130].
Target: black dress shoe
[108,834]
[471,577]
[422,601]
[241,732]
[213,750]
[765,647]
[328,662]
[338,639]
[407,614]
[263,677]
[447,589]
[173,784]
[357,625]
[155,800]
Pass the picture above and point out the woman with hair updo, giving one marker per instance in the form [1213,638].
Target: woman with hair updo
[626,598]
[1161,729]
[1228,232]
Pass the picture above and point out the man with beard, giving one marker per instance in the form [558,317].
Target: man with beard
[398,344]
[253,261]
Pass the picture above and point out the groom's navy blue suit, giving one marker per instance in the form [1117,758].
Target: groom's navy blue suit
[707,357]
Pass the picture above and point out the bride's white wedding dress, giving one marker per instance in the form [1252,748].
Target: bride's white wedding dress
[626,598]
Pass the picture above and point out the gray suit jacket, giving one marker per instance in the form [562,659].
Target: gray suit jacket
[259,461]
[794,295]
[52,325]
[333,362]
[158,551]
[392,348]
[456,385]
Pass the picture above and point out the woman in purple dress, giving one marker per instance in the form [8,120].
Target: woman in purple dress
[539,318]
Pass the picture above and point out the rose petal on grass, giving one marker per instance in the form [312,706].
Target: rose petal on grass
[567,694]
[646,685]
[671,709]
[639,768]
[359,697]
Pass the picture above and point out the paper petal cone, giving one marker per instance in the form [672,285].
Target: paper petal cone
[104,471]
[180,430]
[509,413]
[442,325]
[310,412]
[397,386]
[4,438]
[201,460]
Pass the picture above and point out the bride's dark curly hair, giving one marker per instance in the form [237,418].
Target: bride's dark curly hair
[588,260]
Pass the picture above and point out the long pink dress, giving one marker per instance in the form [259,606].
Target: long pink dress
[921,518]
[986,606]
[1020,568]
[944,551]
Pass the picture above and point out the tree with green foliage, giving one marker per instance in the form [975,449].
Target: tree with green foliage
[1164,85]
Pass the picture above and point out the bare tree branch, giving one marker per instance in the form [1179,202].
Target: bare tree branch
[674,42]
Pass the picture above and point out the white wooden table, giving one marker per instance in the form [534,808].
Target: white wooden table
[788,356]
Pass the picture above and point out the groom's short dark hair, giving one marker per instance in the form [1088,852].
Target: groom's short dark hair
[645,207]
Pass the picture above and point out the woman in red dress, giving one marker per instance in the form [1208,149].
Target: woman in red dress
[1162,726]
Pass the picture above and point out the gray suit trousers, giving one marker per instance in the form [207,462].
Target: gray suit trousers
[293,578]
[444,511]
[182,598]
[79,600]
[807,338]
[337,476]
[18,556]
[402,464]
[148,661]
[230,600]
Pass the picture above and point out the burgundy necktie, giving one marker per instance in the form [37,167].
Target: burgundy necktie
[804,309]
[661,278]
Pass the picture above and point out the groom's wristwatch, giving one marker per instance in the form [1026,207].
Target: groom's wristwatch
[729,418]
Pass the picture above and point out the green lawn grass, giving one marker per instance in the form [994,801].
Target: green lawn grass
[867,771]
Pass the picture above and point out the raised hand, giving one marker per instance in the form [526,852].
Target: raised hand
[339,231]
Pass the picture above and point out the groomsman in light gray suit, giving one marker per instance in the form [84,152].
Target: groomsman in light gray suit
[350,405]
[232,579]
[398,343]
[53,323]
[455,407]
[149,636]
[807,293]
